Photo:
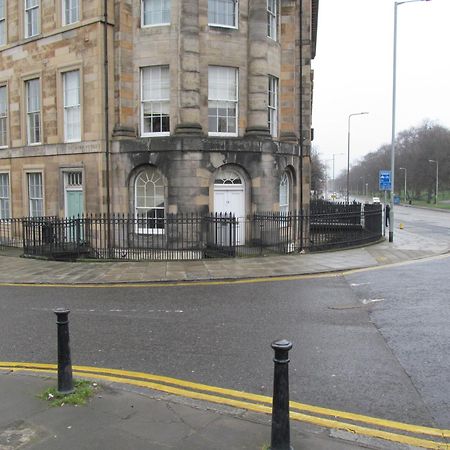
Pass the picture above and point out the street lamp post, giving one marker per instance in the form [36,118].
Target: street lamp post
[404,168]
[394,95]
[435,161]
[348,150]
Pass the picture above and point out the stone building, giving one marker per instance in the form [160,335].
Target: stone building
[155,106]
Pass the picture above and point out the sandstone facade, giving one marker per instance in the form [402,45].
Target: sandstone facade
[109,50]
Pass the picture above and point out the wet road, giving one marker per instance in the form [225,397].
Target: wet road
[425,222]
[411,310]
[372,342]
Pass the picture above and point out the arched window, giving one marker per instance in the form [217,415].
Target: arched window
[149,201]
[227,176]
[284,193]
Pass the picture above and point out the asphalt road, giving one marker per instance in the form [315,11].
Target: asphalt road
[385,358]
[410,308]
[373,342]
[425,222]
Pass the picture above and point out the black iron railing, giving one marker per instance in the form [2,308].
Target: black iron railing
[268,233]
[191,236]
[11,234]
[340,230]
[126,237]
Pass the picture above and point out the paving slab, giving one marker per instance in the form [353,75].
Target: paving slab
[123,419]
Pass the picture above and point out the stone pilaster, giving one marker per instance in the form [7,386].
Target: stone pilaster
[257,70]
[189,69]
[289,80]
[306,101]
[307,80]
[124,106]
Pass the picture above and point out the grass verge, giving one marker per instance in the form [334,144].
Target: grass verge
[423,203]
[83,390]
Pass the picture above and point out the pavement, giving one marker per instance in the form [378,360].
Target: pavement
[120,416]
[407,246]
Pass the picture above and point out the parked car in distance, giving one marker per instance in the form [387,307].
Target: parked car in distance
[376,200]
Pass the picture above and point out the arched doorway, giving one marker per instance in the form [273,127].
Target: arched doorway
[229,198]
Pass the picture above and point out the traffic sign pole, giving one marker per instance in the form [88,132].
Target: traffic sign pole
[385,184]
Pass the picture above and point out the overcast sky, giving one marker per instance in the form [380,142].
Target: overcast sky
[353,73]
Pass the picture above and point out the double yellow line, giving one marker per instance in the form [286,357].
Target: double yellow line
[418,436]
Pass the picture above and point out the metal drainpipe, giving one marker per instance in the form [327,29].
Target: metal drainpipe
[107,149]
[301,118]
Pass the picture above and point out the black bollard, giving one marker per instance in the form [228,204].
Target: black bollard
[65,382]
[281,439]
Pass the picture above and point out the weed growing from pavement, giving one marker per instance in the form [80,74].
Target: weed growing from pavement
[83,390]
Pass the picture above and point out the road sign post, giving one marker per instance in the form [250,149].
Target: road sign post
[385,184]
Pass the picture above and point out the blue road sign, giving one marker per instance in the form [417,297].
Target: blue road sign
[385,181]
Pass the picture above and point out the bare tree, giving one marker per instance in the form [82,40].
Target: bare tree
[415,147]
[318,173]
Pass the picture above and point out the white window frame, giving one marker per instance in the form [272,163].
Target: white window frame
[166,3]
[3,26]
[149,204]
[5,196]
[35,188]
[72,107]
[33,114]
[159,82]
[284,195]
[216,23]
[32,10]
[73,179]
[272,19]
[70,11]
[215,96]
[272,105]
[4,135]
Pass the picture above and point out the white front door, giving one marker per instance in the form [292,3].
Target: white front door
[230,199]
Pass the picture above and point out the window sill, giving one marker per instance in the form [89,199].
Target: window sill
[65,25]
[155,25]
[212,134]
[31,38]
[224,27]
[146,135]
